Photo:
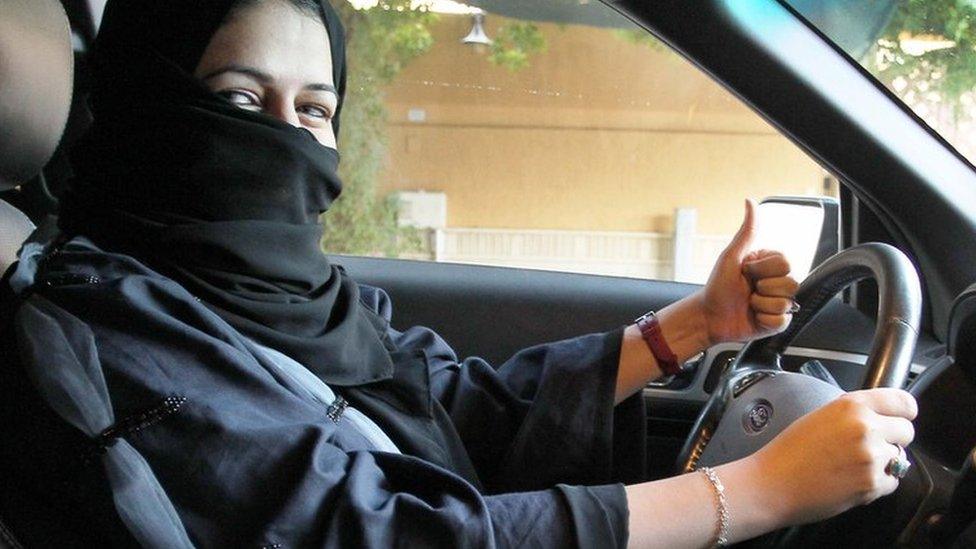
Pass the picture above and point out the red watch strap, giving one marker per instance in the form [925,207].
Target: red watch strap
[650,329]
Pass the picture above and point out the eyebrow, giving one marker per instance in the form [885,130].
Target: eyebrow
[266,78]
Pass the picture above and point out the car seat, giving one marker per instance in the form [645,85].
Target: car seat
[36,63]
[14,228]
[43,459]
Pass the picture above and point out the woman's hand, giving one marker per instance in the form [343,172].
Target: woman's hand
[826,462]
[749,293]
[834,458]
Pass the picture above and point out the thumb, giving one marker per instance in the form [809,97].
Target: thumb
[742,242]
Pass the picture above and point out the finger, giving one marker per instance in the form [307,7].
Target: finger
[895,430]
[881,483]
[780,286]
[759,254]
[743,239]
[888,402]
[884,483]
[771,266]
[770,305]
[776,323]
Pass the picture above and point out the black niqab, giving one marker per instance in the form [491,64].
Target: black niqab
[225,201]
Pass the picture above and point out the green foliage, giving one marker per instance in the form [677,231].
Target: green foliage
[381,41]
[515,43]
[938,78]
[642,37]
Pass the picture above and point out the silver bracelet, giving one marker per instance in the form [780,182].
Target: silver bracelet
[724,517]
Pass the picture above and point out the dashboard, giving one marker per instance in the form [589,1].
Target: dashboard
[706,369]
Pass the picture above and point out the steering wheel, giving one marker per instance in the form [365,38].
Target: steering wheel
[756,399]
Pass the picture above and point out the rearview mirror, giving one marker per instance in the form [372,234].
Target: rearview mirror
[805,228]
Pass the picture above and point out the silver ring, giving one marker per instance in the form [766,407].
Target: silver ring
[898,466]
[795,308]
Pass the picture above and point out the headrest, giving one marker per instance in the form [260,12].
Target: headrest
[36,69]
[14,229]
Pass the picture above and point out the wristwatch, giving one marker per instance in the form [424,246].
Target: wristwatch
[650,330]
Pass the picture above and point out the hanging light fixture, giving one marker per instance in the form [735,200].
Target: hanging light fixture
[477,37]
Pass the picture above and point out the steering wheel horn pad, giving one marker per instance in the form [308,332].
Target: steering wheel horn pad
[755,415]
[756,400]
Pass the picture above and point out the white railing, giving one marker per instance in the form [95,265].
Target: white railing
[640,255]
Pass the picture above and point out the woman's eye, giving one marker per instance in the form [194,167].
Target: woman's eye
[242,99]
[315,111]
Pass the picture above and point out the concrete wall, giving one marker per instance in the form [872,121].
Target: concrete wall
[598,134]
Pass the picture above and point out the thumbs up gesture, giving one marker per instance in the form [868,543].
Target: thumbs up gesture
[749,293]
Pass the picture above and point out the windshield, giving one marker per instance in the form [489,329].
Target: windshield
[924,51]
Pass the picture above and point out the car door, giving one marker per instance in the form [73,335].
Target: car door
[535,173]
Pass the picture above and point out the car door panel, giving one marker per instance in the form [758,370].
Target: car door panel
[494,312]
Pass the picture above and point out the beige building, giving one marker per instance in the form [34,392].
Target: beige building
[598,134]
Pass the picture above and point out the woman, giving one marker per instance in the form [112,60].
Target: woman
[267,393]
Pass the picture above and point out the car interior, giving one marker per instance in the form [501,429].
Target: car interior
[33,121]
[891,303]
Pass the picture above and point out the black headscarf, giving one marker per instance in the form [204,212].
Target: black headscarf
[225,201]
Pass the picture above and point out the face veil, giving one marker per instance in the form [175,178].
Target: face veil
[224,201]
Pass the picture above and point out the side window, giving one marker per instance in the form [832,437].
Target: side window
[545,135]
